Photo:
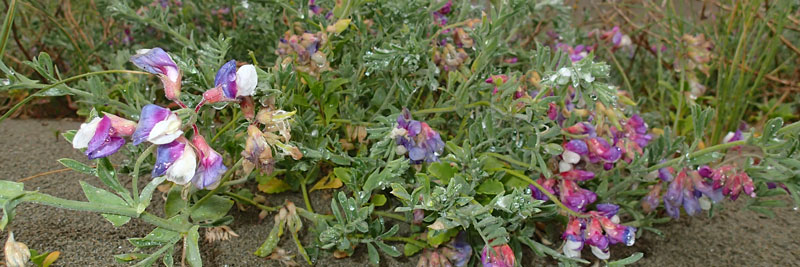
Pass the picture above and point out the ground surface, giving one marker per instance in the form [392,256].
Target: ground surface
[735,237]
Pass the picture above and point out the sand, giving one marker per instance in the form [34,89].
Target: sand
[734,237]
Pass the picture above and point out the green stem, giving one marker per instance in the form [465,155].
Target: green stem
[697,154]
[390,215]
[49,200]
[216,190]
[303,188]
[76,77]
[791,128]
[407,240]
[543,190]
[7,23]
[227,126]
[508,159]
[135,176]
[449,109]
[251,202]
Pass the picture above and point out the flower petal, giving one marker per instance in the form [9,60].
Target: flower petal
[85,134]
[166,131]
[151,115]
[246,80]
[226,77]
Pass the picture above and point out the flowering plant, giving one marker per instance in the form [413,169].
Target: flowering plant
[444,132]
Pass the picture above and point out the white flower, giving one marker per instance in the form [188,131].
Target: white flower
[572,248]
[246,80]
[166,131]
[570,157]
[85,134]
[182,171]
[564,166]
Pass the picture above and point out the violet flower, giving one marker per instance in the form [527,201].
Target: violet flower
[158,62]
[497,80]
[502,256]
[600,149]
[652,199]
[157,125]
[231,84]
[573,236]
[547,184]
[574,197]
[176,160]
[417,139]
[103,136]
[211,168]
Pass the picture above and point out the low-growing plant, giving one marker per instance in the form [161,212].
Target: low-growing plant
[449,128]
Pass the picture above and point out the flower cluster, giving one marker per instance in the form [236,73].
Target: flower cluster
[599,230]
[567,190]
[276,133]
[455,253]
[416,140]
[440,16]
[449,52]
[179,159]
[303,50]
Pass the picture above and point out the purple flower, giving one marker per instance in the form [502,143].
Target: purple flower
[157,125]
[548,184]
[600,149]
[176,160]
[501,256]
[458,251]
[574,197]
[211,167]
[231,84]
[652,199]
[574,238]
[617,233]
[732,136]
[103,136]
[577,175]
[158,62]
[417,139]
[596,239]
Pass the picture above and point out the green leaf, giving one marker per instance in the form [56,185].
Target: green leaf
[174,203]
[410,249]
[108,175]
[128,257]
[104,198]
[400,192]
[374,258]
[490,187]
[379,200]
[214,208]
[272,240]
[157,237]
[68,135]
[274,186]
[443,171]
[388,249]
[343,174]
[192,248]
[629,260]
[147,193]
[439,237]
[9,189]
[78,166]
[771,130]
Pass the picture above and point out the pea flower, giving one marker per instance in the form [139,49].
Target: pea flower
[157,125]
[158,62]
[600,230]
[211,168]
[103,136]
[17,253]
[652,199]
[257,153]
[501,256]
[231,84]
[497,80]
[732,183]
[574,197]
[574,238]
[685,190]
[176,160]
[417,139]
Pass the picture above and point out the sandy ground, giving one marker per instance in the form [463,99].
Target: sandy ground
[734,237]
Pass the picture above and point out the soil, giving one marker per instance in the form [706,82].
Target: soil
[735,236]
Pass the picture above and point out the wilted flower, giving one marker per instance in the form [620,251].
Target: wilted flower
[176,160]
[304,51]
[158,62]
[257,153]
[211,168]
[652,199]
[617,38]
[219,233]
[157,125]
[501,256]
[103,136]
[497,80]
[416,138]
[231,84]
[17,253]
[449,57]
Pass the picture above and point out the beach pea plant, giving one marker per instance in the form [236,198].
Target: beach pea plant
[454,133]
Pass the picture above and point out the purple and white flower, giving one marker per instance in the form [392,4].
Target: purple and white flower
[103,136]
[158,62]
[417,139]
[231,84]
[157,125]
[176,160]
[211,168]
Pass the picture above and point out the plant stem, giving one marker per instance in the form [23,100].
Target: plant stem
[407,240]
[49,200]
[390,215]
[7,23]
[449,109]
[216,190]
[508,159]
[135,176]
[303,187]
[543,190]
[76,77]
[227,126]
[697,154]
[251,202]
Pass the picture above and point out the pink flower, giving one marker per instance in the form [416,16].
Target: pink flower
[501,256]
[103,136]
[158,62]
[211,168]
